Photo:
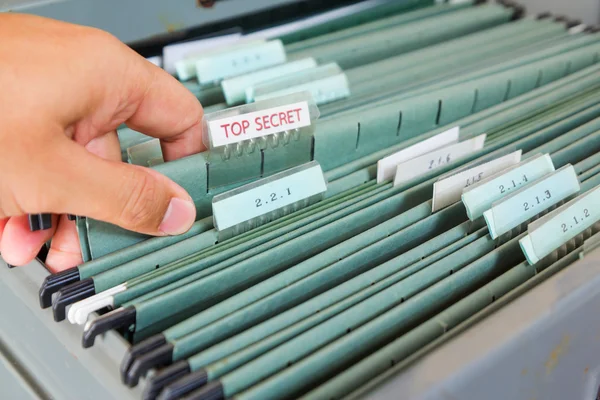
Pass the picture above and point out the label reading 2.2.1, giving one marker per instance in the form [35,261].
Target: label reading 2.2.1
[260,199]
[273,197]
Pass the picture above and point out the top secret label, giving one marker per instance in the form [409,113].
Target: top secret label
[258,124]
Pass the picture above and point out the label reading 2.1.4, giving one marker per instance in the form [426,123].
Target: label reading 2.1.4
[513,185]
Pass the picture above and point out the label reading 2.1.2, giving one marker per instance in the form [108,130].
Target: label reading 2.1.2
[576,220]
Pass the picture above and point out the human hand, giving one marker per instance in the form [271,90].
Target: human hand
[65,90]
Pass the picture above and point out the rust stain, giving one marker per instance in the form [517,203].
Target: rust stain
[170,26]
[205,3]
[555,355]
[524,372]
[586,370]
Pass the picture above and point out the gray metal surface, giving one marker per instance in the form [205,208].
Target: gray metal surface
[543,345]
[133,20]
[588,11]
[48,354]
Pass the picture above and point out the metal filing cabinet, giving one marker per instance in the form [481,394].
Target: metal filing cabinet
[541,344]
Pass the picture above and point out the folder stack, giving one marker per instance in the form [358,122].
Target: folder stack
[452,137]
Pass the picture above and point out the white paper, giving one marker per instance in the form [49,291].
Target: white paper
[449,190]
[436,159]
[179,51]
[258,124]
[386,167]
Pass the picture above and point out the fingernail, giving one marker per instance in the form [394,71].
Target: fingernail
[179,217]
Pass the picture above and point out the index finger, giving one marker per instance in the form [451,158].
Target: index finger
[170,112]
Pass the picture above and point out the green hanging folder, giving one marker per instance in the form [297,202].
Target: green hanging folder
[375,46]
[264,366]
[230,353]
[322,142]
[385,21]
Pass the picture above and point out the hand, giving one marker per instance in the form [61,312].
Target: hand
[65,89]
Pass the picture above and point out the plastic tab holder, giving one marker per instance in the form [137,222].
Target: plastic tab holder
[176,52]
[258,139]
[479,197]
[216,67]
[234,89]
[186,67]
[326,83]
[145,154]
[259,202]
[427,162]
[386,167]
[563,224]
[531,200]
[590,245]
[448,190]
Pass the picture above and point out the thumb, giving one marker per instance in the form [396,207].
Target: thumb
[133,197]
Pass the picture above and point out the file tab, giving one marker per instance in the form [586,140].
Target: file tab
[260,124]
[561,225]
[448,190]
[386,167]
[215,67]
[234,88]
[480,196]
[259,202]
[531,200]
[326,84]
[430,161]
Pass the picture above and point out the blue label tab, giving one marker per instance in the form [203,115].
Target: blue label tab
[480,196]
[528,202]
[563,224]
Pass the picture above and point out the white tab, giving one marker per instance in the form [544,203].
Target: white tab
[428,162]
[219,66]
[234,89]
[257,199]
[326,83]
[186,68]
[176,52]
[448,191]
[386,167]
[259,123]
